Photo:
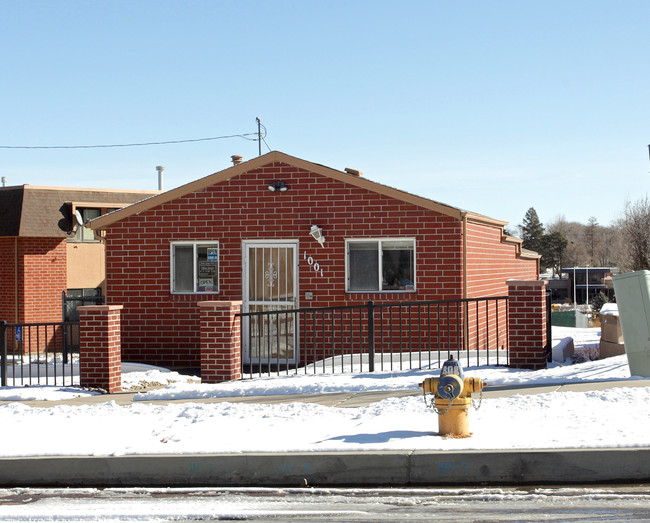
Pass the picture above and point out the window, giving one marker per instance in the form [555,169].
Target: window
[380,265]
[84,233]
[195,267]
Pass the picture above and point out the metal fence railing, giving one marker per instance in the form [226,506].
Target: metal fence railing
[371,337]
[70,301]
[39,354]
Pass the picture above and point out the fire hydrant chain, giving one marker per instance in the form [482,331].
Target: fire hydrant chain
[438,411]
[432,405]
[480,400]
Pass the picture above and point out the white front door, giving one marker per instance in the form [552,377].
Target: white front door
[270,284]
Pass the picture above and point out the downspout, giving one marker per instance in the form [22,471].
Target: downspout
[464,219]
[15,279]
[466,326]
[102,240]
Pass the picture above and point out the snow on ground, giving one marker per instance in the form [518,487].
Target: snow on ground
[585,341]
[135,376]
[615,417]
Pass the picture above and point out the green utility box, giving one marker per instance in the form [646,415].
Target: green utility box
[633,299]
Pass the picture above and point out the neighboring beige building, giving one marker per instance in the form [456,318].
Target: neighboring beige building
[45,251]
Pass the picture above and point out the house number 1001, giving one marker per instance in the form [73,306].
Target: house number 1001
[313,265]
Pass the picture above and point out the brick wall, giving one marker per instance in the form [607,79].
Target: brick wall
[100,363]
[489,258]
[163,328]
[527,324]
[42,278]
[220,341]
[8,310]
[40,275]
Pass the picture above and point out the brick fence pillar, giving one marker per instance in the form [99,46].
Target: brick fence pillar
[527,324]
[100,353]
[220,341]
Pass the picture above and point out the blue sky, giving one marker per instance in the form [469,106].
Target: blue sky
[490,106]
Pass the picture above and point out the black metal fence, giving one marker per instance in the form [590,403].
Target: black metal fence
[70,301]
[371,337]
[39,354]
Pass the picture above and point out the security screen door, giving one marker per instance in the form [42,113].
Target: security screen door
[270,284]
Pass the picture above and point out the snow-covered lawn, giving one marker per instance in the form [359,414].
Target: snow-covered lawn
[616,417]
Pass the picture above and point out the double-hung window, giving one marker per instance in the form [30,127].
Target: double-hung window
[380,265]
[194,267]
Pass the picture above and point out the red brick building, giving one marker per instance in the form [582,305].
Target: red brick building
[248,233]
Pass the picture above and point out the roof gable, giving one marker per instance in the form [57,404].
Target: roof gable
[279,157]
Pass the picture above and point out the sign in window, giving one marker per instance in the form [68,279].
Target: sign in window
[195,267]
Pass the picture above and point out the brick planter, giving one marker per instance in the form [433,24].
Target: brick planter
[527,324]
[220,341]
[100,358]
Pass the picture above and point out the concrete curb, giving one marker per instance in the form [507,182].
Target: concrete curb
[395,468]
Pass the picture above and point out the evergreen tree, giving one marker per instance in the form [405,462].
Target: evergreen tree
[553,246]
[532,231]
[550,246]
[598,301]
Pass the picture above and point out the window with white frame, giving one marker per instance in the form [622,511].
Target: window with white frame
[194,267]
[380,265]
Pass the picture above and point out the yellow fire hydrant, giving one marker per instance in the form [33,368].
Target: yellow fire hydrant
[452,398]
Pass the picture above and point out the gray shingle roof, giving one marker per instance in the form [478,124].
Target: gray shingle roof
[46,212]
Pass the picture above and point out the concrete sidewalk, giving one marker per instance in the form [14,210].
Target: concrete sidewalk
[338,399]
[363,469]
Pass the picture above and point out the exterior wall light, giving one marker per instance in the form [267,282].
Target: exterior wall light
[278,186]
[317,233]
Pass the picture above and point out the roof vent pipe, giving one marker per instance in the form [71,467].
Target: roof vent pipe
[4,181]
[236,159]
[160,170]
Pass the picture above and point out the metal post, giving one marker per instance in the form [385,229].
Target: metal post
[3,363]
[371,336]
[63,319]
[549,327]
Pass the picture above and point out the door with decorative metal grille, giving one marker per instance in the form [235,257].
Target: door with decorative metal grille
[270,284]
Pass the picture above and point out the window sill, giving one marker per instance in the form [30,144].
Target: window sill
[410,291]
[190,293]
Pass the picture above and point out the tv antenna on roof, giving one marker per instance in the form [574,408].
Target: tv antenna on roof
[259,136]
